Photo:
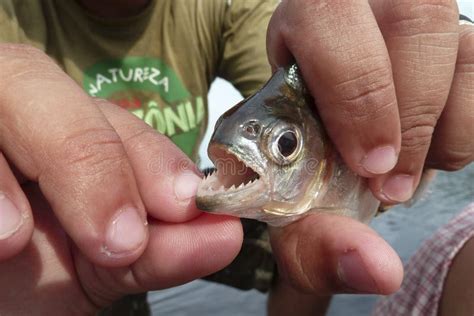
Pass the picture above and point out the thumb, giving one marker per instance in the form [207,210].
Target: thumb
[327,254]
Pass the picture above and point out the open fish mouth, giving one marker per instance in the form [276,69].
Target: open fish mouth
[232,176]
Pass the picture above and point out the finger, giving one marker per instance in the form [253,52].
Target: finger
[284,300]
[452,146]
[43,271]
[16,221]
[422,39]
[277,50]
[176,254]
[326,254]
[55,135]
[166,177]
[347,69]
[194,249]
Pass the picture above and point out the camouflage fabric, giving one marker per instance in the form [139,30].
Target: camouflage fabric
[254,267]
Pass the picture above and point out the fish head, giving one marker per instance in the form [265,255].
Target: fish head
[267,151]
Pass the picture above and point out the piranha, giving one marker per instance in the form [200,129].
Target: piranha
[275,163]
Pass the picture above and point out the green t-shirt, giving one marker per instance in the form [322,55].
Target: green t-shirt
[158,64]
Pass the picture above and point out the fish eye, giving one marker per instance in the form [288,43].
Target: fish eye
[287,143]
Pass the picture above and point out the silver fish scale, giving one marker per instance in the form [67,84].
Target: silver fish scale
[293,78]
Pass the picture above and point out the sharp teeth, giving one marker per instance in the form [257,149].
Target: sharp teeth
[232,187]
[209,174]
[240,186]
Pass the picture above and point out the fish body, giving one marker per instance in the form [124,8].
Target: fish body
[275,163]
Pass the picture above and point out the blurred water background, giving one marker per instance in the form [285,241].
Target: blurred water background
[403,228]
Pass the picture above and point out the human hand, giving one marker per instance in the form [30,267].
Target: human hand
[104,174]
[393,83]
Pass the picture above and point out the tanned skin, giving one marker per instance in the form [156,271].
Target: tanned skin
[458,291]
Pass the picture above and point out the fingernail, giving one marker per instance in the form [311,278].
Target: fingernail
[380,160]
[126,232]
[354,275]
[398,188]
[185,185]
[10,217]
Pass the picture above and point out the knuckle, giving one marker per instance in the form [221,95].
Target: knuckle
[366,96]
[21,63]
[424,15]
[455,165]
[417,126]
[300,267]
[290,264]
[456,158]
[139,139]
[416,138]
[417,131]
[295,273]
[447,9]
[90,151]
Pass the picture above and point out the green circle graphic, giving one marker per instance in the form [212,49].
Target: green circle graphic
[151,90]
